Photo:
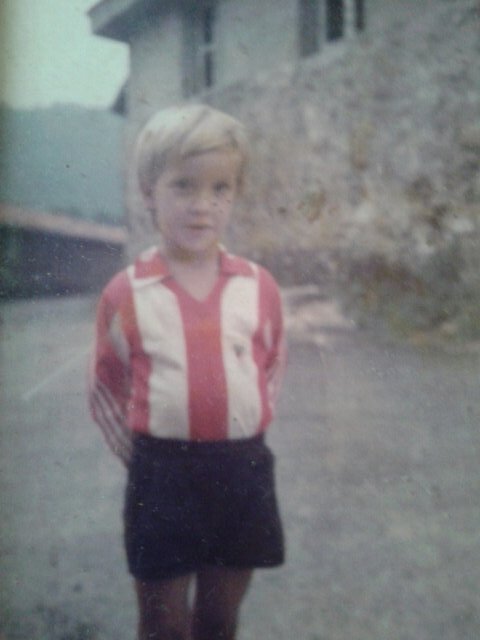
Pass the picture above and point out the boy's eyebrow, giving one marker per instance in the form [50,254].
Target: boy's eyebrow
[180,180]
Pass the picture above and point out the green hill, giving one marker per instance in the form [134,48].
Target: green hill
[64,158]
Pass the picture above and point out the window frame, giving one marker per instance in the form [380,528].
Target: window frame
[322,22]
[200,48]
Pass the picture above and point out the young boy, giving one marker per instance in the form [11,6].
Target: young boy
[188,359]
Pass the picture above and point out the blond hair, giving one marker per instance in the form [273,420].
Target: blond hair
[175,133]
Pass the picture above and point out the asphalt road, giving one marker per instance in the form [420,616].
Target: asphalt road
[378,470]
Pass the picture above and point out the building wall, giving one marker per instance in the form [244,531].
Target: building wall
[254,35]
[156,58]
[250,37]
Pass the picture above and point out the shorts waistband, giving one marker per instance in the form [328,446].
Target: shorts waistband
[168,446]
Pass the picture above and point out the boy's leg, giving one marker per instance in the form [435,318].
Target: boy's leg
[220,591]
[163,609]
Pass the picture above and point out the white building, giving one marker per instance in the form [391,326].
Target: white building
[180,49]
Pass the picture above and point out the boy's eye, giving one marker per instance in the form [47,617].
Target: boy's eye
[182,184]
[222,187]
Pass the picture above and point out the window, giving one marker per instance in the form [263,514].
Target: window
[323,21]
[334,19]
[206,48]
[199,58]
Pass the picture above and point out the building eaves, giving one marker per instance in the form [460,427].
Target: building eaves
[118,19]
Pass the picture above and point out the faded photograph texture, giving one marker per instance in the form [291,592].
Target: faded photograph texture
[362,198]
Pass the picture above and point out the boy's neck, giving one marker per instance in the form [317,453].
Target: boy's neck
[196,274]
[185,260]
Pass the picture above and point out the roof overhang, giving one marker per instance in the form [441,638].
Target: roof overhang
[116,19]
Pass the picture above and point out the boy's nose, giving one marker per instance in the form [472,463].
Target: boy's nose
[203,203]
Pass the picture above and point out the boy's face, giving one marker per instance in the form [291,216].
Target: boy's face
[192,200]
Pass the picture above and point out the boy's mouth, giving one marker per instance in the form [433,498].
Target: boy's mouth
[199,227]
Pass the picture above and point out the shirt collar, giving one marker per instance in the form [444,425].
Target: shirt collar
[151,266]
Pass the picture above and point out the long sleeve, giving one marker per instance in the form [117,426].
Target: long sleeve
[109,377]
[277,356]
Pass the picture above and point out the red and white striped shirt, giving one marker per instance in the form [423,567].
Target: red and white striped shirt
[171,366]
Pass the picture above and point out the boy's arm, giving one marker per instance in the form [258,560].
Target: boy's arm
[109,377]
[277,357]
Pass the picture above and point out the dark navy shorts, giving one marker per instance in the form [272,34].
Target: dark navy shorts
[194,504]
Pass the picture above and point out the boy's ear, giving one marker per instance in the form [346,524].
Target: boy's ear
[147,198]
[154,219]
[149,204]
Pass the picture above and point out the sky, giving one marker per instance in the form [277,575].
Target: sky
[48,55]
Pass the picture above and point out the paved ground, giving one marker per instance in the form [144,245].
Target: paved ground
[378,467]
